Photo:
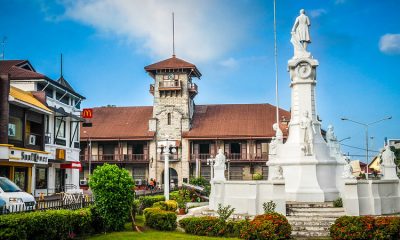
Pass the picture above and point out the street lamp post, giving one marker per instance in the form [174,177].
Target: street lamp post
[366,125]
[210,162]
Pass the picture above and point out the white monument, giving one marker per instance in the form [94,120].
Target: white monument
[308,167]
[388,167]
[219,166]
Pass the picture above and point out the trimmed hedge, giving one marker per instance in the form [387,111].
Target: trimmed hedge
[160,219]
[267,226]
[148,201]
[169,205]
[50,224]
[366,227]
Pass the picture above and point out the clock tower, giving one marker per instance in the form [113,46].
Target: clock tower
[173,106]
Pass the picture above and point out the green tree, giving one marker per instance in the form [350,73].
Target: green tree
[114,194]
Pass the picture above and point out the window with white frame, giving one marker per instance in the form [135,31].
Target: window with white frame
[60,128]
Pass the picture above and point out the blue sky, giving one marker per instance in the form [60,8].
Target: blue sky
[107,43]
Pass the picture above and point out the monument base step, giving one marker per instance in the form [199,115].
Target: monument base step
[312,219]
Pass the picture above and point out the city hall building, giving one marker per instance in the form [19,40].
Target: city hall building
[134,137]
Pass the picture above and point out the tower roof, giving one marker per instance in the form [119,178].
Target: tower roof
[172,64]
[64,83]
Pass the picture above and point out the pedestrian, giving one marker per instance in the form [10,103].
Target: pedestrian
[151,184]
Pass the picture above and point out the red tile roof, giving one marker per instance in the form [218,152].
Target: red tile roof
[119,123]
[5,65]
[173,63]
[235,121]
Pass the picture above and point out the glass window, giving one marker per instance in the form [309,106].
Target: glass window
[62,99]
[15,129]
[7,186]
[41,178]
[60,128]
[75,131]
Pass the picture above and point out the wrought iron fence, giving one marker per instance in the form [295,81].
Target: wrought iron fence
[66,201]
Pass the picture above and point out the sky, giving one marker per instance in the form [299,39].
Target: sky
[107,43]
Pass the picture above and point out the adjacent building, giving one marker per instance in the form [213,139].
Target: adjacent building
[60,135]
[22,125]
[134,137]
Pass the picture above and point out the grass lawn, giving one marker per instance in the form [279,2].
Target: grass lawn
[149,234]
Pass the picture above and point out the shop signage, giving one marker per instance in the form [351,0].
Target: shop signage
[60,154]
[72,165]
[87,113]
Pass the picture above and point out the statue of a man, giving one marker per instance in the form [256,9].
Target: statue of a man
[388,157]
[309,131]
[278,133]
[347,168]
[300,28]
[220,160]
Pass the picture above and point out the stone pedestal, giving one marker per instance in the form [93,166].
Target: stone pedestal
[389,172]
[310,172]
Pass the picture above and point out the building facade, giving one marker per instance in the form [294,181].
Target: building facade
[22,124]
[61,126]
[135,137]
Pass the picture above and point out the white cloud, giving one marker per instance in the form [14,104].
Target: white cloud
[204,30]
[390,43]
[229,63]
[317,12]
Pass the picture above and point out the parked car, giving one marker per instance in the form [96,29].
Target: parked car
[16,199]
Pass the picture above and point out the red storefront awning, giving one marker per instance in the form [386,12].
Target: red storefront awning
[72,165]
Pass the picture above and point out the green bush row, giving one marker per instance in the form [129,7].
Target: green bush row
[366,227]
[212,226]
[160,219]
[266,226]
[148,201]
[169,205]
[50,224]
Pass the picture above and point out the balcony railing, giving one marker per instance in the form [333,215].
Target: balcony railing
[233,157]
[192,87]
[170,85]
[116,158]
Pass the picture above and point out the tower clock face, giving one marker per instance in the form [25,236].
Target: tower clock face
[304,70]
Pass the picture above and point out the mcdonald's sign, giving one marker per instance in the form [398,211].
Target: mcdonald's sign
[87,113]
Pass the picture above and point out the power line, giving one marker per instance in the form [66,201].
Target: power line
[358,148]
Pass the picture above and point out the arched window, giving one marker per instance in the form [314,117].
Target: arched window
[169,118]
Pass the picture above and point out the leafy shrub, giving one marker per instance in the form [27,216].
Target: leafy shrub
[50,224]
[366,227]
[202,182]
[202,226]
[269,207]
[224,212]
[267,226]
[257,176]
[148,201]
[338,202]
[113,189]
[160,219]
[169,205]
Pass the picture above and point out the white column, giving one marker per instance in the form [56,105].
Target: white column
[166,173]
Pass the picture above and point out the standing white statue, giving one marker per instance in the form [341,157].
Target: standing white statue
[347,169]
[309,131]
[300,28]
[300,35]
[219,166]
[388,166]
[333,144]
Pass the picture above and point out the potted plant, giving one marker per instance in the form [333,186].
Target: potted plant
[181,205]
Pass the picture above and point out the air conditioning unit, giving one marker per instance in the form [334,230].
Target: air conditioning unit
[138,182]
[83,182]
[32,140]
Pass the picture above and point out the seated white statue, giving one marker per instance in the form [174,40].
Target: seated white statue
[347,169]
